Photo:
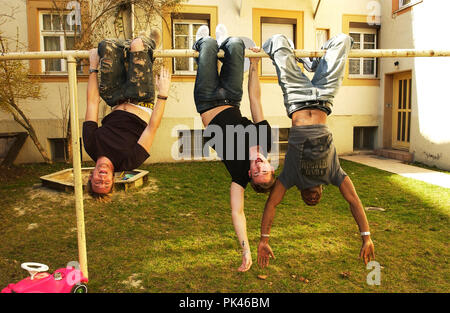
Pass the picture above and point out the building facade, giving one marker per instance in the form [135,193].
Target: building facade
[366,113]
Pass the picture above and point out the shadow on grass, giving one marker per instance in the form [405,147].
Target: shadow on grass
[176,235]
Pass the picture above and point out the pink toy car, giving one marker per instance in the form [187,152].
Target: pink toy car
[63,280]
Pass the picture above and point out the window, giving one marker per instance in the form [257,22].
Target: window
[363,67]
[322,36]
[57,33]
[191,144]
[59,149]
[269,29]
[267,22]
[401,6]
[282,142]
[364,138]
[183,38]
[187,19]
[407,3]
[402,3]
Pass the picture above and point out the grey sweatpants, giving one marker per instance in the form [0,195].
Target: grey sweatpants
[296,86]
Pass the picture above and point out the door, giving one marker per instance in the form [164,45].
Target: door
[401,113]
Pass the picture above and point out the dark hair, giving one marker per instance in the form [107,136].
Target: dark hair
[263,188]
[103,197]
[306,191]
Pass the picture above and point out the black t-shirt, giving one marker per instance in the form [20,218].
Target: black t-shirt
[116,139]
[238,133]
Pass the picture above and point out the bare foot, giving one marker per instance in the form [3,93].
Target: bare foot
[246,262]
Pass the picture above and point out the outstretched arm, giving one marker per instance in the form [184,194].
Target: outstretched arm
[348,191]
[264,250]
[240,224]
[254,89]
[163,86]
[93,96]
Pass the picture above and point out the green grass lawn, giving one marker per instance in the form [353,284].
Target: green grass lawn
[176,235]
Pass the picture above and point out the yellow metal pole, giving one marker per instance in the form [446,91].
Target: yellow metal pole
[187,53]
[78,184]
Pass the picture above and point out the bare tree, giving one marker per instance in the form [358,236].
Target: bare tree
[99,19]
[16,85]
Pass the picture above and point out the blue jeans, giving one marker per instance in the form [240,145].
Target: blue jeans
[211,89]
[126,75]
[299,91]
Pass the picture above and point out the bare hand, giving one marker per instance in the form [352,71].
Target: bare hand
[367,252]
[264,254]
[163,82]
[93,58]
[255,60]
[246,262]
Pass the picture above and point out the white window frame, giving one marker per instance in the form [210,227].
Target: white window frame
[267,70]
[402,5]
[52,33]
[361,74]
[191,41]
[318,31]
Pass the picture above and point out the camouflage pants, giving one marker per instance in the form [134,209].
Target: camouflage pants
[126,75]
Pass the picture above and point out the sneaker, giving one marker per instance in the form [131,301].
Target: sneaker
[221,33]
[202,31]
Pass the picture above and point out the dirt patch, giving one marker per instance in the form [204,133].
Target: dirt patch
[133,282]
[150,187]
[20,211]
[33,226]
[39,193]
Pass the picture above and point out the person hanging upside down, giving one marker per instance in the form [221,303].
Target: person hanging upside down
[124,139]
[241,144]
[311,160]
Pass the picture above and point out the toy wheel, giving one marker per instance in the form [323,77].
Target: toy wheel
[79,288]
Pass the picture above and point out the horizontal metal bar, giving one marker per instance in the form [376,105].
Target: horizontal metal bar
[186,53]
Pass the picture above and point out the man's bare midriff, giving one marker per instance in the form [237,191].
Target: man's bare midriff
[210,114]
[309,117]
[134,110]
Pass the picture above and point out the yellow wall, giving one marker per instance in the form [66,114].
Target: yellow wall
[354,105]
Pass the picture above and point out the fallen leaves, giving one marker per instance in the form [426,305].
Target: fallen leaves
[263,277]
[346,274]
[304,280]
[371,208]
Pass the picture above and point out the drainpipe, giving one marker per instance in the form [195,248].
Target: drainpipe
[317,9]
[132,20]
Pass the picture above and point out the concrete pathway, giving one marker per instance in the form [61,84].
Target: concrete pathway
[397,167]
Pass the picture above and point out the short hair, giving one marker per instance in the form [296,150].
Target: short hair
[102,197]
[264,188]
[309,190]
